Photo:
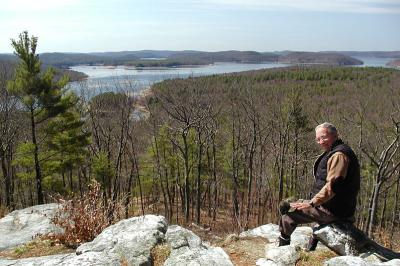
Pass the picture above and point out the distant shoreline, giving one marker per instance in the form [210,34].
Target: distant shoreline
[130,67]
[394,63]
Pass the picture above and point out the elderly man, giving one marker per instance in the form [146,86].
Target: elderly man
[334,193]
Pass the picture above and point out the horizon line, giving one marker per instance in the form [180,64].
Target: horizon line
[214,51]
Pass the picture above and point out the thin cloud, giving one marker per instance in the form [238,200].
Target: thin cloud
[341,6]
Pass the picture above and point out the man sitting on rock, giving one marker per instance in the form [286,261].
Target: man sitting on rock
[334,193]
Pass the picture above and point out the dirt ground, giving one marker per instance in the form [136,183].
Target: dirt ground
[245,251]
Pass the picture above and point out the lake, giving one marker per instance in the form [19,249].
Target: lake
[106,78]
[374,61]
[121,78]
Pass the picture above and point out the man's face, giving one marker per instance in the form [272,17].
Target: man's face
[324,138]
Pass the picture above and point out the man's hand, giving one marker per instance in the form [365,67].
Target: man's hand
[300,205]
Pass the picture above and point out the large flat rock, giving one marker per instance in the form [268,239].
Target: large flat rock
[129,240]
[337,240]
[357,261]
[285,255]
[346,239]
[346,261]
[126,242]
[21,226]
[52,260]
[268,231]
[300,236]
[188,249]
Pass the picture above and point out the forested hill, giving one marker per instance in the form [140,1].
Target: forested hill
[152,58]
[255,133]
[319,58]
[379,54]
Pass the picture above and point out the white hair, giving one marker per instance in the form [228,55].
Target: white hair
[330,127]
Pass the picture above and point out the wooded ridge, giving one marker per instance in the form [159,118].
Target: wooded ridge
[149,58]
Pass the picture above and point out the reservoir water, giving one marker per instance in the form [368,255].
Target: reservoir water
[374,61]
[122,78]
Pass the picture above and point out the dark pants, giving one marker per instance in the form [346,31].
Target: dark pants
[289,221]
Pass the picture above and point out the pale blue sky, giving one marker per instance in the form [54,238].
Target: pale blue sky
[208,25]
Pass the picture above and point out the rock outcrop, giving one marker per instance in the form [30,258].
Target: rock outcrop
[346,239]
[188,249]
[21,226]
[130,242]
[346,260]
[268,231]
[38,261]
[343,239]
[357,261]
[299,238]
[285,256]
[280,256]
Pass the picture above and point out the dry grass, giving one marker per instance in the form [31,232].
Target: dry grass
[389,240]
[36,248]
[315,258]
[244,251]
[3,211]
[160,254]
[124,262]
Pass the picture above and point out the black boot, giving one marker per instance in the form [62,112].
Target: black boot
[312,244]
[283,241]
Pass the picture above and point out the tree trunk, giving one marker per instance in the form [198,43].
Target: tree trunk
[36,159]
[214,162]
[7,181]
[129,192]
[374,208]
[198,181]
[395,212]
[187,188]
[250,176]
[383,213]
[135,161]
[235,173]
[281,166]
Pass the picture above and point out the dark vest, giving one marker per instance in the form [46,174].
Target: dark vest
[343,204]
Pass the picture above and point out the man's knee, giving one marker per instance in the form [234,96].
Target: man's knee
[284,206]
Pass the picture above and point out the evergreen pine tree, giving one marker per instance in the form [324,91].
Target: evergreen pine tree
[40,95]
